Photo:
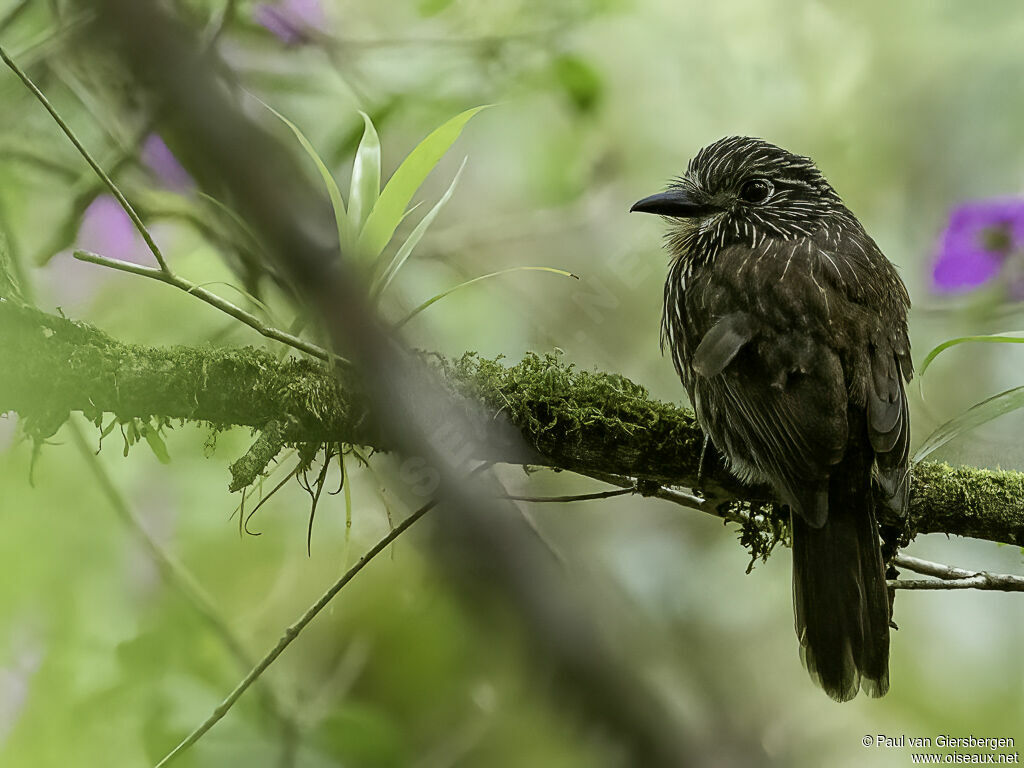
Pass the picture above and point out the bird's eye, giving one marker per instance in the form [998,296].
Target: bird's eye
[756,190]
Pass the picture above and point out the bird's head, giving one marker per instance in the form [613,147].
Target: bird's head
[743,190]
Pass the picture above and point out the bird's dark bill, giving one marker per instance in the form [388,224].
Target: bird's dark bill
[677,203]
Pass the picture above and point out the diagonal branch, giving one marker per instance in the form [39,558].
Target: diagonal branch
[107,181]
[291,633]
[169,278]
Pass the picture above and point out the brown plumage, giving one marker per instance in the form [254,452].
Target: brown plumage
[787,326]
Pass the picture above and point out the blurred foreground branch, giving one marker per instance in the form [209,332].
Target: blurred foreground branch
[592,423]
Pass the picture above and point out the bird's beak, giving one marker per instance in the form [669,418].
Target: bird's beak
[676,202]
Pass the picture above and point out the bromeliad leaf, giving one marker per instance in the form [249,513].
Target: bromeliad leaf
[438,297]
[384,280]
[9,287]
[365,187]
[1009,337]
[975,416]
[337,203]
[390,207]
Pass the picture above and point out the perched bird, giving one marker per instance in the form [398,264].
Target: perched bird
[788,328]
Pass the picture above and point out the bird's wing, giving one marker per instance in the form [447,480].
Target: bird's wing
[796,426]
[889,423]
[722,343]
[878,304]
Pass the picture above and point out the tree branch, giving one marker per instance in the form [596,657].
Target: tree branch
[948,577]
[596,424]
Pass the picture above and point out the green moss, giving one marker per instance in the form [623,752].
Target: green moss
[598,424]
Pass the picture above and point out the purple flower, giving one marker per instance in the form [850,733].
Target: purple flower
[984,240]
[293,22]
[107,230]
[159,158]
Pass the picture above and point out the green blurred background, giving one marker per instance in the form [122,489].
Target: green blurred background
[909,108]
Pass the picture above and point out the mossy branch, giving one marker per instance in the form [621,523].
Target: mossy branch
[596,424]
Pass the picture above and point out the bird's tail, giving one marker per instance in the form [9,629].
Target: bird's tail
[840,599]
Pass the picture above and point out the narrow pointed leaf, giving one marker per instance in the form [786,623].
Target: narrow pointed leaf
[438,297]
[387,213]
[414,237]
[337,202]
[234,218]
[1010,337]
[156,444]
[973,417]
[365,187]
[9,287]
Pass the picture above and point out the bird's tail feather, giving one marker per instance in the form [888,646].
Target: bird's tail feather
[840,598]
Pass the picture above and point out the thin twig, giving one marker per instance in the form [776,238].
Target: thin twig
[949,577]
[291,633]
[210,298]
[676,496]
[178,577]
[107,181]
[564,499]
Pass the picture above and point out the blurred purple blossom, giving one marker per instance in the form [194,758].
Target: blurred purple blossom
[107,230]
[158,158]
[291,21]
[983,240]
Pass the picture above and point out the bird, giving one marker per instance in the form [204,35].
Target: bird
[788,328]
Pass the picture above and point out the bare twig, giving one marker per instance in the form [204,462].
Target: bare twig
[949,577]
[646,487]
[107,181]
[564,499]
[210,298]
[178,577]
[164,273]
[291,633]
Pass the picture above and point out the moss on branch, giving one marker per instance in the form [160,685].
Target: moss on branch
[591,423]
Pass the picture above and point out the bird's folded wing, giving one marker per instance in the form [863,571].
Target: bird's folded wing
[722,343]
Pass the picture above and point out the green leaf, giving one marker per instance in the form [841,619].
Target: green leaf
[438,297]
[580,81]
[365,177]
[235,219]
[433,7]
[414,237]
[156,443]
[390,207]
[975,416]
[1008,337]
[337,203]
[9,286]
